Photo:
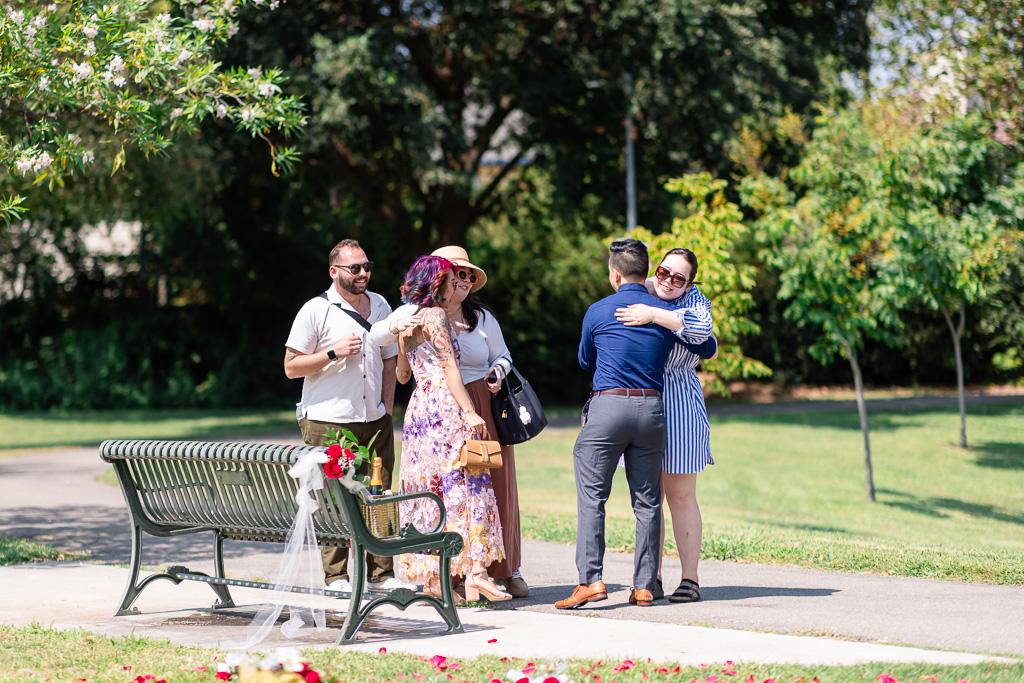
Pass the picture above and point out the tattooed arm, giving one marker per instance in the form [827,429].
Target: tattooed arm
[403,370]
[437,331]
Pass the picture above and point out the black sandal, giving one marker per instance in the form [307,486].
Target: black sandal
[688,591]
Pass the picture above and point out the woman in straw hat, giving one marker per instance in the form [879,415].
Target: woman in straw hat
[484,362]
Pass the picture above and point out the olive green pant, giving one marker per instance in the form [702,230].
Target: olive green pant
[314,433]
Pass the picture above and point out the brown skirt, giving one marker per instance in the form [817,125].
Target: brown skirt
[505,488]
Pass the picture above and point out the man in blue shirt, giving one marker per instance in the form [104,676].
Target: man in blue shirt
[626,416]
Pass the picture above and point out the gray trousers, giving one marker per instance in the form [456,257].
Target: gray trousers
[635,428]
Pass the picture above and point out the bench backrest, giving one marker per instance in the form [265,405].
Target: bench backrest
[240,488]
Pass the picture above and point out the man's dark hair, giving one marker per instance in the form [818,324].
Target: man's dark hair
[629,257]
[336,252]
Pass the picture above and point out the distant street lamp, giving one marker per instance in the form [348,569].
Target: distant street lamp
[627,84]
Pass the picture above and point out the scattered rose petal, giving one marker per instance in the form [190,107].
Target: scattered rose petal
[628,664]
[223,675]
[439,661]
[382,651]
[493,640]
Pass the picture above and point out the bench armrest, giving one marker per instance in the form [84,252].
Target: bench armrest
[381,500]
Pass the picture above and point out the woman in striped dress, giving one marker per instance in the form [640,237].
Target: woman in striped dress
[687,450]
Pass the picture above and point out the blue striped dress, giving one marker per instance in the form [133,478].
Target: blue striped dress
[688,448]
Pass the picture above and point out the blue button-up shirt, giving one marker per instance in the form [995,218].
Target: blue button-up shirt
[620,356]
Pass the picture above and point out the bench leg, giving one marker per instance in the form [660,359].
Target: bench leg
[218,569]
[133,590]
[448,611]
[355,617]
[401,598]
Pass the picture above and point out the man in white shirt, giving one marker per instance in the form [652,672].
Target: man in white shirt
[347,383]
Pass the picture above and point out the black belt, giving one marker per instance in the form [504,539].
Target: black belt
[620,391]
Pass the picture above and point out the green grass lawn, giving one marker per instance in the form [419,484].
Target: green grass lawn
[789,489]
[37,654]
[43,430]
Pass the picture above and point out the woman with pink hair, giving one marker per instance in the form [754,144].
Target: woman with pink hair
[438,420]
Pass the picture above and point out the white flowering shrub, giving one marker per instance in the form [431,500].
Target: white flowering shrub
[131,70]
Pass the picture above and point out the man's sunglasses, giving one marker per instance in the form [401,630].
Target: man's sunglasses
[663,273]
[356,267]
[466,274]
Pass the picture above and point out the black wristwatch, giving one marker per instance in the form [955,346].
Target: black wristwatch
[331,354]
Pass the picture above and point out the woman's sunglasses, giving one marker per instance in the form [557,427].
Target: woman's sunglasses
[466,274]
[356,267]
[663,273]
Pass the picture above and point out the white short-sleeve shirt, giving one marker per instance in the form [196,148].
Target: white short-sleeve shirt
[347,389]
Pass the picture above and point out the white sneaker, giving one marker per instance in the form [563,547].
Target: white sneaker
[391,583]
[343,585]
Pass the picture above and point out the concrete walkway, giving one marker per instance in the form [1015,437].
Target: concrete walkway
[751,613]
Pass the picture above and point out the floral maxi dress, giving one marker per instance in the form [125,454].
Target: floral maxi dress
[432,437]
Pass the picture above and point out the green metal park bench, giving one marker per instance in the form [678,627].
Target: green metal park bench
[243,491]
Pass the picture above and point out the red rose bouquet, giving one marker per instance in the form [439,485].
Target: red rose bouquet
[345,456]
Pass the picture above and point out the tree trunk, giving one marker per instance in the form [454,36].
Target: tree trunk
[957,332]
[862,409]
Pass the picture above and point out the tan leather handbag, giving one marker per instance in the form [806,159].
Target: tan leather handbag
[481,454]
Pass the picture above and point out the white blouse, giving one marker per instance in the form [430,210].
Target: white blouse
[479,349]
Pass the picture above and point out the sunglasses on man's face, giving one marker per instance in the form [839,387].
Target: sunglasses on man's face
[663,273]
[466,275]
[356,267]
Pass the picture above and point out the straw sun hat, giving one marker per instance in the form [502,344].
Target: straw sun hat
[459,257]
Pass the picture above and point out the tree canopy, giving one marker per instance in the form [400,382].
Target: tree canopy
[81,78]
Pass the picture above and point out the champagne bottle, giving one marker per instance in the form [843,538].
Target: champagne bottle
[376,485]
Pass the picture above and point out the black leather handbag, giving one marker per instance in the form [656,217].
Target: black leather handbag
[518,415]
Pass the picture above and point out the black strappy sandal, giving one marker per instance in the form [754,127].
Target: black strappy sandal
[688,591]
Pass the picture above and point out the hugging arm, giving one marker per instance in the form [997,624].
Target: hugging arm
[706,350]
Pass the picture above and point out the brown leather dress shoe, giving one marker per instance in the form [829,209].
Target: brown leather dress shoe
[641,598]
[516,586]
[582,594]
